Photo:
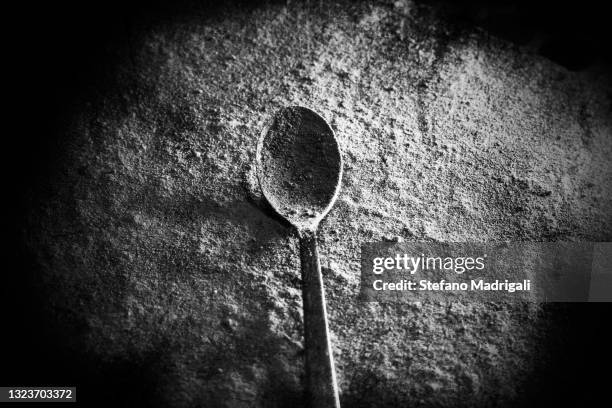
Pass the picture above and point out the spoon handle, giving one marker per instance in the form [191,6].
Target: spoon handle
[320,374]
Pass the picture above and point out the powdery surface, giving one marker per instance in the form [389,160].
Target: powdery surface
[155,247]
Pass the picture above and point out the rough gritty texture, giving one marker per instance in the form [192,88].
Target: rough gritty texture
[155,248]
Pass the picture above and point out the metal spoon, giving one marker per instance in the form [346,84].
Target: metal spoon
[299,167]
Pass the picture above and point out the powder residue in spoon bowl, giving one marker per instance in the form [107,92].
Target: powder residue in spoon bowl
[300,165]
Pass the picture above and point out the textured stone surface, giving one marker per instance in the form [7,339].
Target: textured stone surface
[155,250]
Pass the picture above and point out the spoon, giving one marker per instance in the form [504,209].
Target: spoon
[299,167]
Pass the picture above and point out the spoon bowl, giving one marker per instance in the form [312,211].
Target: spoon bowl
[299,166]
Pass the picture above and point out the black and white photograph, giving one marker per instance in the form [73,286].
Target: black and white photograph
[307,204]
